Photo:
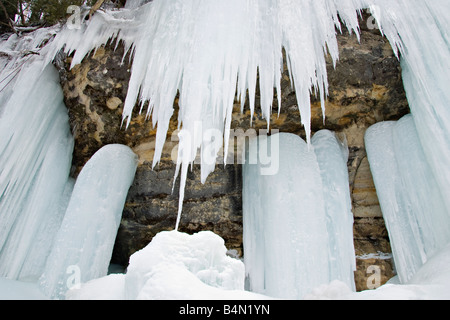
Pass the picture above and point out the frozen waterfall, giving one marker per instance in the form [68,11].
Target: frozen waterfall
[35,160]
[83,246]
[210,52]
[411,200]
[298,224]
[48,222]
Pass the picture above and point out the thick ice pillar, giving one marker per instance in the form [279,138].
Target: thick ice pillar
[419,29]
[332,157]
[287,240]
[410,197]
[83,246]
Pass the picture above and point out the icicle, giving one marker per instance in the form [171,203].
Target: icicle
[35,160]
[209,51]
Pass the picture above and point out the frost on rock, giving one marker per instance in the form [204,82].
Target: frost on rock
[410,197]
[85,241]
[297,223]
[35,160]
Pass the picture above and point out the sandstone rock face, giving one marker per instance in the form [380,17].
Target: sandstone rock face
[152,207]
[365,88]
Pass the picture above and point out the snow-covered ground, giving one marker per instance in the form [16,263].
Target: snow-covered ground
[177,266]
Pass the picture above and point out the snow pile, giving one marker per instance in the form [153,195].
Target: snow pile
[174,266]
[431,282]
[411,200]
[85,241]
[175,277]
[298,224]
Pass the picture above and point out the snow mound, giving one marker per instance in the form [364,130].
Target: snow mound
[431,282]
[174,266]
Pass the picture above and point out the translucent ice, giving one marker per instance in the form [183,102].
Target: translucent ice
[135,3]
[35,160]
[17,53]
[212,51]
[297,223]
[410,197]
[84,243]
[418,30]
[332,157]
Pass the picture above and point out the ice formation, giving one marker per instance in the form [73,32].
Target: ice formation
[174,266]
[419,30]
[430,283]
[298,222]
[35,159]
[213,51]
[410,197]
[209,52]
[38,224]
[85,241]
[332,156]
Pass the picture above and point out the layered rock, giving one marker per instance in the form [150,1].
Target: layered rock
[365,88]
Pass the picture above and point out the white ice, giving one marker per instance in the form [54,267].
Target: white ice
[174,266]
[174,277]
[431,282]
[410,197]
[297,222]
[420,31]
[35,160]
[135,3]
[332,156]
[19,290]
[209,52]
[85,241]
